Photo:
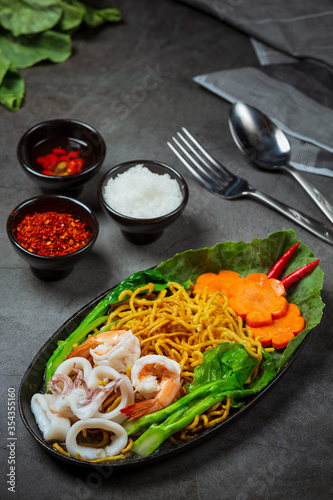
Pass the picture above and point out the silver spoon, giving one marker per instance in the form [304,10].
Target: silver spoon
[268,147]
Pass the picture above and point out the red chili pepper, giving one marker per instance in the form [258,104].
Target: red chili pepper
[59,151]
[49,161]
[72,167]
[282,262]
[52,158]
[78,163]
[62,158]
[73,154]
[298,274]
[71,163]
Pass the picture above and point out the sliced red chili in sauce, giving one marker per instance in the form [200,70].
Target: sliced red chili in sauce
[61,162]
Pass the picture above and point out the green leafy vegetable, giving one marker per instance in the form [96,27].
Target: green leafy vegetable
[25,52]
[23,17]
[227,361]
[32,31]
[11,89]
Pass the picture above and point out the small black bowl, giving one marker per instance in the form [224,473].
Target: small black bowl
[66,134]
[137,230]
[52,268]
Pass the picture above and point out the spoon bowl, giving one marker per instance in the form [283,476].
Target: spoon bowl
[258,137]
[268,147]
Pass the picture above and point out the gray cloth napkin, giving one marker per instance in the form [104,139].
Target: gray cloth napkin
[294,85]
[298,98]
[300,28]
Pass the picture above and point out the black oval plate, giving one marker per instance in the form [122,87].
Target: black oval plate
[33,381]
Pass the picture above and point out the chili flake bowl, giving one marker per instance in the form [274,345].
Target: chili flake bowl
[52,268]
[140,230]
[63,134]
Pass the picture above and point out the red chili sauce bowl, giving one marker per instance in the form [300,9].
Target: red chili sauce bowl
[70,135]
[45,267]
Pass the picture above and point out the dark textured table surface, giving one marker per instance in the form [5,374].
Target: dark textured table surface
[133,82]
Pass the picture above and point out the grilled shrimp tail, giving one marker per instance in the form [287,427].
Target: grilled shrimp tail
[141,408]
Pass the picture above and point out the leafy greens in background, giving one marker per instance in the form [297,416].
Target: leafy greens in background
[258,256]
[32,31]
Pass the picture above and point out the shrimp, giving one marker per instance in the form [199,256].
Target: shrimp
[156,378]
[117,349]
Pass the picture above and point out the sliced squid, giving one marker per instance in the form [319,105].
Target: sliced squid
[66,367]
[83,397]
[77,399]
[53,427]
[118,440]
[127,394]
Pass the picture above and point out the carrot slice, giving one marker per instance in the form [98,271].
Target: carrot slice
[257,299]
[220,282]
[281,330]
[257,277]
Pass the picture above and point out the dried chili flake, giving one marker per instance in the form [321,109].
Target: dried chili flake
[52,234]
[61,162]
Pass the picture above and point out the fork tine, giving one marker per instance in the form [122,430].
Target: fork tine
[191,148]
[204,167]
[220,169]
[190,136]
[200,175]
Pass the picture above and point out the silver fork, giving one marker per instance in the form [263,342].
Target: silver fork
[215,177]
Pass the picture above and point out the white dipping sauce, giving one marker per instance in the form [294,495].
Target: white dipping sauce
[142,194]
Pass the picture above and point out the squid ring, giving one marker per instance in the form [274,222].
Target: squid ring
[126,390]
[81,363]
[118,440]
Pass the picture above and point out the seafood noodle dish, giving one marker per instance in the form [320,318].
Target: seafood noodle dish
[174,351]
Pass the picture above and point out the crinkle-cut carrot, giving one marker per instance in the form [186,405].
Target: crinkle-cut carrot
[281,330]
[257,299]
[220,282]
[204,278]
[257,277]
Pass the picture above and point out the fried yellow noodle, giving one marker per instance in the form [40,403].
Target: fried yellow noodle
[182,326]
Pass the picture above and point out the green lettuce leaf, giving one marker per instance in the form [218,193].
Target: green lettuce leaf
[32,31]
[24,52]
[4,65]
[24,17]
[12,89]
[72,16]
[95,17]
[258,256]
